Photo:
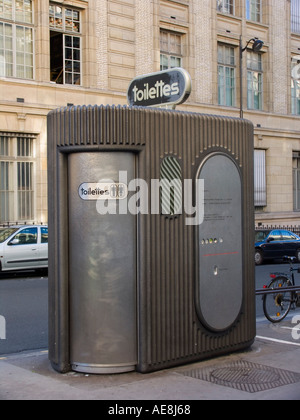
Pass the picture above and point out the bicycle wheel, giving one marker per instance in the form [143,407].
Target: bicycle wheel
[277,305]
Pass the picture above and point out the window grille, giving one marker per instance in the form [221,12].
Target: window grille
[16,177]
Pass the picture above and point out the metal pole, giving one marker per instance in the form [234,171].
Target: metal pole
[268,291]
[241,78]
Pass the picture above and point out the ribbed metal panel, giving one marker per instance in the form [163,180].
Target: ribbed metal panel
[169,330]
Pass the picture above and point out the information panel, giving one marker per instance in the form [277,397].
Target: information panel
[220,244]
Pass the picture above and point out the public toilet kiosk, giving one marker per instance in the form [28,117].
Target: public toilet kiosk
[151,234]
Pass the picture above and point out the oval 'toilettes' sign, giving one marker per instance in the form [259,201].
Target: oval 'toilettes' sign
[169,87]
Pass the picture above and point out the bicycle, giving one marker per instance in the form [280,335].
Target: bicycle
[277,304]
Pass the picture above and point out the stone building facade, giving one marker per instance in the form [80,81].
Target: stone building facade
[79,52]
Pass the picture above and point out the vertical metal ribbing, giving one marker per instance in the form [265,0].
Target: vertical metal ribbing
[181,273]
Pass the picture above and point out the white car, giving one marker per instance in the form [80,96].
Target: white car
[23,248]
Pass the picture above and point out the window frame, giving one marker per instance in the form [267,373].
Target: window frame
[12,48]
[18,185]
[295,17]
[295,85]
[75,36]
[260,178]
[251,10]
[168,54]
[226,66]
[64,18]
[255,76]
[226,6]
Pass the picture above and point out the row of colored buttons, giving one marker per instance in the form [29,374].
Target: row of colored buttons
[212,241]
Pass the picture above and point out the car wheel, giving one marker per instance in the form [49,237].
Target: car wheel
[298,255]
[258,257]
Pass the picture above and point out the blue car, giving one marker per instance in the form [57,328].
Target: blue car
[275,244]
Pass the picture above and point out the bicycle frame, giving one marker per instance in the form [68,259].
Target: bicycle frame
[291,277]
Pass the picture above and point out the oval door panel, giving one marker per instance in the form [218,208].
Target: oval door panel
[220,288]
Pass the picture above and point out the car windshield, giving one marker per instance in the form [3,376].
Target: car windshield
[261,235]
[6,233]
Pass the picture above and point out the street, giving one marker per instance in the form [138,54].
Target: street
[24,306]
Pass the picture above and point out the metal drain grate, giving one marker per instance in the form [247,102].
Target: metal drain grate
[245,376]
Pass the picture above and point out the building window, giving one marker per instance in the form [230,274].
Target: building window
[65,45]
[225,6]
[296,97]
[295,85]
[253,10]
[260,186]
[255,80]
[16,38]
[170,50]
[295,16]
[16,178]
[226,75]
[296,180]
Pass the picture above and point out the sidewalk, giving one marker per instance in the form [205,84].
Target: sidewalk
[268,370]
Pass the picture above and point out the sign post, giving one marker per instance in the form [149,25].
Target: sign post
[163,89]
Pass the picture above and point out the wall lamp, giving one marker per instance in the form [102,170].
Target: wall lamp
[256,47]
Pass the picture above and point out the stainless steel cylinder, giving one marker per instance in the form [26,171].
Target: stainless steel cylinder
[102,264]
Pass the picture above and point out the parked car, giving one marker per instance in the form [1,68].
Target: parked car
[273,244]
[23,248]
